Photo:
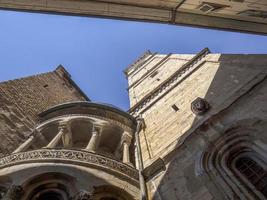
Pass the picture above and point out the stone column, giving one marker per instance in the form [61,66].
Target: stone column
[126,142]
[57,138]
[14,193]
[95,139]
[67,136]
[25,145]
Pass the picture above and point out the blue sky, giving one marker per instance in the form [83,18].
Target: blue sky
[95,51]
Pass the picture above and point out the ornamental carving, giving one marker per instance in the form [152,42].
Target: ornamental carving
[82,157]
[83,195]
[14,193]
[199,106]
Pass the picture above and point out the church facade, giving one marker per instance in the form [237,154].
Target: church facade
[195,130]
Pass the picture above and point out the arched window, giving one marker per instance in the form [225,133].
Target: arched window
[50,195]
[236,162]
[253,172]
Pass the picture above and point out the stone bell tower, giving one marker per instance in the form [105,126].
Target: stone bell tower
[161,89]
[191,104]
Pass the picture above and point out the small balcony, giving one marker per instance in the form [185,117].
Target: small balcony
[84,133]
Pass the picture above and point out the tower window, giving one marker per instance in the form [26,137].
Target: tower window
[175,108]
[154,74]
[255,173]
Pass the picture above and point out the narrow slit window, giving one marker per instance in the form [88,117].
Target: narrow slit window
[175,108]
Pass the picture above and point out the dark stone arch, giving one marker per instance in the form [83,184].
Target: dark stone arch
[50,184]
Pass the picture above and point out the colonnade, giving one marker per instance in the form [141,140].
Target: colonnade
[64,134]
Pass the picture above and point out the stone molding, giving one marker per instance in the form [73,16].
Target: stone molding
[70,156]
[96,110]
[154,11]
[167,85]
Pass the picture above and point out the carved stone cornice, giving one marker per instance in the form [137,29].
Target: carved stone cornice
[168,84]
[77,157]
[83,195]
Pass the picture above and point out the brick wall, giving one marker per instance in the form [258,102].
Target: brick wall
[22,99]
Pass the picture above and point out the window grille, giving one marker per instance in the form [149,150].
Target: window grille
[255,173]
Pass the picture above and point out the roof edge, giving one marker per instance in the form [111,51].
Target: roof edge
[137,62]
[62,70]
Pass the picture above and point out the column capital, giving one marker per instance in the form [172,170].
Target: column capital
[97,128]
[64,124]
[37,133]
[126,138]
[62,129]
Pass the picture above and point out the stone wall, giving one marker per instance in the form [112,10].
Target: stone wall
[184,177]
[217,78]
[22,99]
[235,88]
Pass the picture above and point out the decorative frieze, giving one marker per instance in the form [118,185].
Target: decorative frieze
[72,156]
